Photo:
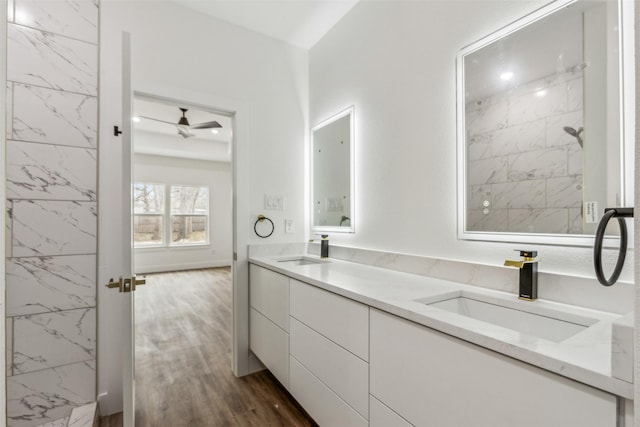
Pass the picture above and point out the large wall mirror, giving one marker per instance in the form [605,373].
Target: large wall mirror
[544,127]
[332,183]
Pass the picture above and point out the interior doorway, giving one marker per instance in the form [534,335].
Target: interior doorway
[182,181]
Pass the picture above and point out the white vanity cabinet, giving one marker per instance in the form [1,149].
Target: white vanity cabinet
[329,369]
[432,379]
[269,320]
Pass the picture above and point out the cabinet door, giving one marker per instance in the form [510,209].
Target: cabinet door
[270,344]
[432,379]
[269,294]
[340,319]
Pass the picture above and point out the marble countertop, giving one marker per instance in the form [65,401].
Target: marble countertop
[584,357]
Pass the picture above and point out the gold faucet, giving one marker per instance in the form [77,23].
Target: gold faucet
[528,266]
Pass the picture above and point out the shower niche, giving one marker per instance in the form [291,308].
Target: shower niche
[540,134]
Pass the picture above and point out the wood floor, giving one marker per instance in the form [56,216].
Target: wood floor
[183,360]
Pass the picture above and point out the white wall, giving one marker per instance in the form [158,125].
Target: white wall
[402,83]
[182,55]
[177,171]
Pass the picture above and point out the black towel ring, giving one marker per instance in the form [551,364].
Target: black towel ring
[262,218]
[620,214]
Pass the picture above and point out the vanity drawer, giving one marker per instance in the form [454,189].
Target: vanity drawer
[270,344]
[340,319]
[344,373]
[382,416]
[324,406]
[269,294]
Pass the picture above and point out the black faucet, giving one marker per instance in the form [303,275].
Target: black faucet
[324,246]
[528,274]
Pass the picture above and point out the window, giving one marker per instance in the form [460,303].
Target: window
[183,217]
[148,214]
[189,214]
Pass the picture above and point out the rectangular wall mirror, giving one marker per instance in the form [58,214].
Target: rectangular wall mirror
[541,126]
[332,183]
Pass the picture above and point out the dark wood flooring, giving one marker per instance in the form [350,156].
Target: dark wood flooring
[183,360]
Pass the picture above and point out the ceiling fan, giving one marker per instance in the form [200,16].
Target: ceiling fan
[183,125]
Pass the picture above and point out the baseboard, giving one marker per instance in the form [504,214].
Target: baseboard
[162,268]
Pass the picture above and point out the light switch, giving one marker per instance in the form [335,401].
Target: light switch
[273,202]
[288,226]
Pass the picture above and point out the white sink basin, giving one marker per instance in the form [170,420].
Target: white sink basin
[303,260]
[525,317]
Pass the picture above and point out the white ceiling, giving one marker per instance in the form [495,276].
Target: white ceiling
[298,22]
[159,138]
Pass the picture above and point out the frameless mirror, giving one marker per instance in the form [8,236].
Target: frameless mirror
[540,114]
[332,148]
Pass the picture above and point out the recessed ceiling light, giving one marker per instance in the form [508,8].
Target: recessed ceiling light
[214,131]
[507,75]
[136,119]
[541,92]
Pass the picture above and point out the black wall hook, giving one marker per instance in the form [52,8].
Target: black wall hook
[116,131]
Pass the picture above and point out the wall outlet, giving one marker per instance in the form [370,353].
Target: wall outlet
[288,226]
[273,202]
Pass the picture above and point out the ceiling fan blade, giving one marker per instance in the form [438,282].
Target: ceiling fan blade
[206,125]
[157,120]
[184,131]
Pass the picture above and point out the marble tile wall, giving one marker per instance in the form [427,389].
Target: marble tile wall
[51,169]
[524,171]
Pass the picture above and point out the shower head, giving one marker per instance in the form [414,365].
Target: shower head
[575,133]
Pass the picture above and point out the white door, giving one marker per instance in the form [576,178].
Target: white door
[117,259]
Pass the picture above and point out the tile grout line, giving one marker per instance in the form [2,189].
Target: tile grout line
[51,32]
[88,95]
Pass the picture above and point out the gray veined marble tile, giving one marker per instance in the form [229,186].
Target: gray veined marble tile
[538,221]
[575,221]
[516,139]
[9,345]
[489,117]
[575,159]
[41,284]
[9,110]
[519,194]
[492,220]
[479,146]
[478,196]
[575,92]
[545,163]
[55,339]
[531,107]
[54,117]
[53,228]
[72,18]
[50,172]
[52,61]
[565,192]
[487,171]
[48,395]
[8,229]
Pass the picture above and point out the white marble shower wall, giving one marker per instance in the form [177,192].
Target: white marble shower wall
[51,168]
[524,172]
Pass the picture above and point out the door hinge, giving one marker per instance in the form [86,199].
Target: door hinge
[126,284]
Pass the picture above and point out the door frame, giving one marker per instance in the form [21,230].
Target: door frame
[109,359]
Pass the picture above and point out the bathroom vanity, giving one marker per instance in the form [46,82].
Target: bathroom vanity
[358,345]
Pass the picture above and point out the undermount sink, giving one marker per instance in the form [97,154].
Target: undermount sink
[524,317]
[303,260]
